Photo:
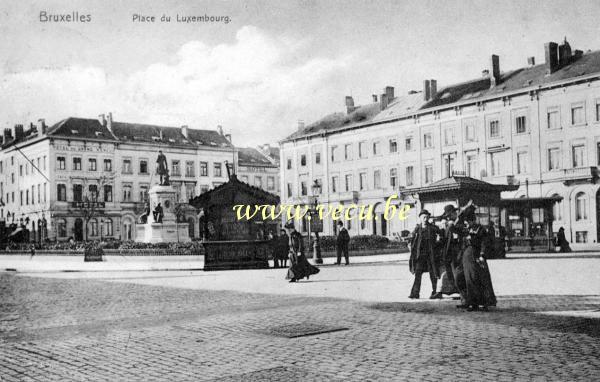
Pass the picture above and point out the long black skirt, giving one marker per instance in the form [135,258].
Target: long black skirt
[479,289]
[300,268]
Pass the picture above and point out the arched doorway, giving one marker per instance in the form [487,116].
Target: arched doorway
[379,224]
[78,230]
[127,229]
[190,222]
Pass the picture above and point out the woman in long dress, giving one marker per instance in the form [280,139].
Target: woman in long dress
[479,290]
[299,265]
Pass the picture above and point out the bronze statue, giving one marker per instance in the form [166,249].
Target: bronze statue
[158,214]
[162,169]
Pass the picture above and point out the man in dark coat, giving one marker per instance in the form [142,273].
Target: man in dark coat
[342,241]
[450,251]
[423,254]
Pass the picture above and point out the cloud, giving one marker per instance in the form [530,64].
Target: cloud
[257,87]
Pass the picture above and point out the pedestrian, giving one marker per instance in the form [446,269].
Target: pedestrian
[561,241]
[450,252]
[281,250]
[299,265]
[341,243]
[32,250]
[478,282]
[423,255]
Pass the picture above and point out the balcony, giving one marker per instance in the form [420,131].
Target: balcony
[86,205]
[579,174]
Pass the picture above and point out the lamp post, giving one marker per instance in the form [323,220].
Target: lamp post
[315,223]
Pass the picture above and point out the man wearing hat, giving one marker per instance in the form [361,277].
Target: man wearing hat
[423,254]
[451,250]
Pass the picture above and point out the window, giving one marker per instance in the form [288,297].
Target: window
[177,188]
[377,179]
[449,136]
[108,193]
[318,158]
[21,197]
[553,158]
[143,166]
[143,193]
[45,192]
[376,148]
[580,206]
[348,182]
[289,164]
[408,144]
[598,111]
[189,191]
[217,170]
[189,168]
[289,190]
[581,236]
[203,168]
[579,156]
[26,197]
[522,161]
[303,160]
[77,193]
[520,124]
[470,132]
[577,114]
[12,178]
[334,153]
[557,209]
[127,166]
[270,182]
[553,118]
[495,159]
[108,227]
[471,165]
[427,141]
[94,227]
[393,177]
[77,164]
[61,192]
[92,166]
[303,188]
[1,167]
[348,152]
[127,192]
[393,146]
[44,162]
[93,192]
[62,163]
[362,181]
[448,165]
[494,128]
[410,176]
[62,228]
[258,181]
[107,165]
[362,149]
[175,170]
[428,174]
[334,184]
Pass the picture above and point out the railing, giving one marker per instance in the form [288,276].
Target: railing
[580,173]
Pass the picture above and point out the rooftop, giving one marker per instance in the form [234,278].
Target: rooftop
[248,156]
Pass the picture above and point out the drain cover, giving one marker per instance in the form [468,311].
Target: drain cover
[302,330]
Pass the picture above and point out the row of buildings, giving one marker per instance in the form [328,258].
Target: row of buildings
[537,127]
[89,178]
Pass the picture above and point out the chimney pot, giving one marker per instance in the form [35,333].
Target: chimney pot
[564,54]
[374,97]
[495,70]
[184,131]
[109,122]
[551,53]
[426,91]
[102,119]
[42,121]
[389,92]
[220,129]
[531,61]
[228,137]
[432,88]
[349,104]
[383,101]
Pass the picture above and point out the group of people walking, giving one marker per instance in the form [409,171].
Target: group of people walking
[455,255]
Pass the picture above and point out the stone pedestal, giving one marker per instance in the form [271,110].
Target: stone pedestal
[169,230]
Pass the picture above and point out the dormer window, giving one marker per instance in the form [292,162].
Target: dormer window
[74,132]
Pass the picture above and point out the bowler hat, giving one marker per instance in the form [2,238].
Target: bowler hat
[448,209]
[424,212]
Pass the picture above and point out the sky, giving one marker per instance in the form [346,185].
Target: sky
[272,64]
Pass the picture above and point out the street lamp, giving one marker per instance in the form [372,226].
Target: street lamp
[315,223]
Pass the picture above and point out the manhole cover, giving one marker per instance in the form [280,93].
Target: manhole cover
[302,330]
[282,373]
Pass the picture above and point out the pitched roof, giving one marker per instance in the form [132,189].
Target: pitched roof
[234,185]
[248,156]
[461,183]
[468,91]
[80,128]
[138,132]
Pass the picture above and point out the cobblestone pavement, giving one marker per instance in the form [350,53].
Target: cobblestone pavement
[91,329]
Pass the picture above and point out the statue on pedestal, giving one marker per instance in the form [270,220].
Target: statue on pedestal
[162,169]
[158,214]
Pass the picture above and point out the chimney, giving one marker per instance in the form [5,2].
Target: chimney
[19,132]
[42,121]
[102,119]
[300,125]
[578,53]
[384,101]
[7,135]
[374,98]
[220,129]
[432,88]
[426,91]
[495,70]
[184,131]
[389,92]
[109,122]
[564,53]
[531,61]
[551,50]
[228,137]
[349,104]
